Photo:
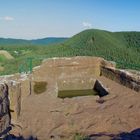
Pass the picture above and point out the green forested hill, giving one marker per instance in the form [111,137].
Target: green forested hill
[122,47]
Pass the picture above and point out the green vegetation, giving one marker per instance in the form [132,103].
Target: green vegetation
[80,137]
[2,58]
[75,93]
[40,87]
[121,47]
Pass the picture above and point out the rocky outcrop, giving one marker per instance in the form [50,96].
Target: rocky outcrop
[46,116]
[4,110]
[34,100]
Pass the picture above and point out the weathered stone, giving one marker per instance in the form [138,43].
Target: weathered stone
[99,87]
[123,77]
[5,117]
[46,116]
[78,66]
[15,99]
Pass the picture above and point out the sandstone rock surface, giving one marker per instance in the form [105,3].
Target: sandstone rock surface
[45,116]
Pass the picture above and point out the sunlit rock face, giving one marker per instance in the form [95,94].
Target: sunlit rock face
[39,111]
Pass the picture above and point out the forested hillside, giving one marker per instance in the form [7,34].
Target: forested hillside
[121,47]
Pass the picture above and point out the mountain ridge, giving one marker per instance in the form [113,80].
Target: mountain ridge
[42,41]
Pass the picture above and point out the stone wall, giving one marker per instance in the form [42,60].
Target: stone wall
[66,71]
[19,87]
[60,67]
[4,110]
[15,99]
[123,77]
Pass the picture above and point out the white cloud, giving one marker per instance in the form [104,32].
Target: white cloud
[7,18]
[87,25]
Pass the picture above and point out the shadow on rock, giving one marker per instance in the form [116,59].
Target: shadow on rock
[5,131]
[12,137]
[133,135]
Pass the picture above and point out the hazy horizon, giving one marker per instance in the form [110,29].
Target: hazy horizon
[43,37]
[37,19]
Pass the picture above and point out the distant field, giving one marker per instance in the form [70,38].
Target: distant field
[5,55]
[121,47]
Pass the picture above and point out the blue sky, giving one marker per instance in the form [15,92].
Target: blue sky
[54,18]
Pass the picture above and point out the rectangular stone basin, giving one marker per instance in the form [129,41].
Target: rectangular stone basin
[68,88]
